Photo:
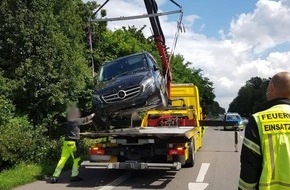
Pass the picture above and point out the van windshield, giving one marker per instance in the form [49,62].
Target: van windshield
[122,67]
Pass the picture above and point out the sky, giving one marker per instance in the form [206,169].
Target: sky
[230,40]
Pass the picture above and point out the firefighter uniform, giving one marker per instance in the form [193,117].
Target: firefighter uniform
[70,146]
[265,157]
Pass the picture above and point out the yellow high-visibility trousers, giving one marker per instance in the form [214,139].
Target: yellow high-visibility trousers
[69,148]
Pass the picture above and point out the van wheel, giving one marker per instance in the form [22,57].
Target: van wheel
[191,155]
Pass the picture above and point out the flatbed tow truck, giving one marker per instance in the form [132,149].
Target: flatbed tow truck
[167,139]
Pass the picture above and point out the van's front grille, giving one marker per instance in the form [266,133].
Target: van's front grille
[122,95]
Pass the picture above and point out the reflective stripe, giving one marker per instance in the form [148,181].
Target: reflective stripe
[75,172]
[251,145]
[247,186]
[271,150]
[275,183]
[57,171]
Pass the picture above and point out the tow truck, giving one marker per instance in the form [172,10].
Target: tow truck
[167,138]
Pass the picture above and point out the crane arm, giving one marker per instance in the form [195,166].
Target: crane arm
[159,39]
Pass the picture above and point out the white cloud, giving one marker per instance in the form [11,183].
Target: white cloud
[235,57]
[190,19]
[264,28]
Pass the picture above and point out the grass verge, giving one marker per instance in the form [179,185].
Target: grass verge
[23,174]
[19,175]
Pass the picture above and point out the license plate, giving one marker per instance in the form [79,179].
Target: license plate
[130,166]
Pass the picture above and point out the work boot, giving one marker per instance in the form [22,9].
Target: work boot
[76,178]
[53,180]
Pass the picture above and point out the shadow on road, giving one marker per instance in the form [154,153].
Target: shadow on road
[141,179]
[154,179]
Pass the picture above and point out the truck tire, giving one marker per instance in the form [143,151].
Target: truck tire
[191,155]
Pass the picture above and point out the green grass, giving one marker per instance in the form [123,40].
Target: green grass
[23,174]
[19,175]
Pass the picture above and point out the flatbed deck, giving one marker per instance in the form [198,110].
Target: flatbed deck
[187,132]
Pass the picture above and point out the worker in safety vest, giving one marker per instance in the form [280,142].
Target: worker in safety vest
[265,156]
[70,145]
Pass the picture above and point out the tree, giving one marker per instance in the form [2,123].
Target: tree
[250,97]
[182,73]
[109,45]
[42,47]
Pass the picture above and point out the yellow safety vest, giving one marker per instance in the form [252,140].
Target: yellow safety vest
[274,130]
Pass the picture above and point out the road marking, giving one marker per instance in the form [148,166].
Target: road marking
[116,182]
[202,172]
[197,186]
[200,177]
[241,137]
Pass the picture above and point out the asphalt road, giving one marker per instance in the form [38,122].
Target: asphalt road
[216,168]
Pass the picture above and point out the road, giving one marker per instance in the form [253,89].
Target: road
[216,168]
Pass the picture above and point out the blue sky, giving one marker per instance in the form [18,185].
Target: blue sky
[214,14]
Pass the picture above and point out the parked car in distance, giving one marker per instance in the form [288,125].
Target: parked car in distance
[233,117]
[129,84]
[245,121]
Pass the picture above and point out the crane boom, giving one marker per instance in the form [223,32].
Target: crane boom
[159,39]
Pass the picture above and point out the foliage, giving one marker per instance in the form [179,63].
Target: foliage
[43,51]
[21,141]
[43,68]
[121,42]
[184,73]
[250,96]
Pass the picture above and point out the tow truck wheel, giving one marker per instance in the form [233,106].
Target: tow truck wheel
[191,155]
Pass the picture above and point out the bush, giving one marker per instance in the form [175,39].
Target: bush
[17,141]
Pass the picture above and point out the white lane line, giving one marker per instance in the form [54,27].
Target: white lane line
[200,177]
[241,137]
[197,186]
[202,172]
[116,182]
